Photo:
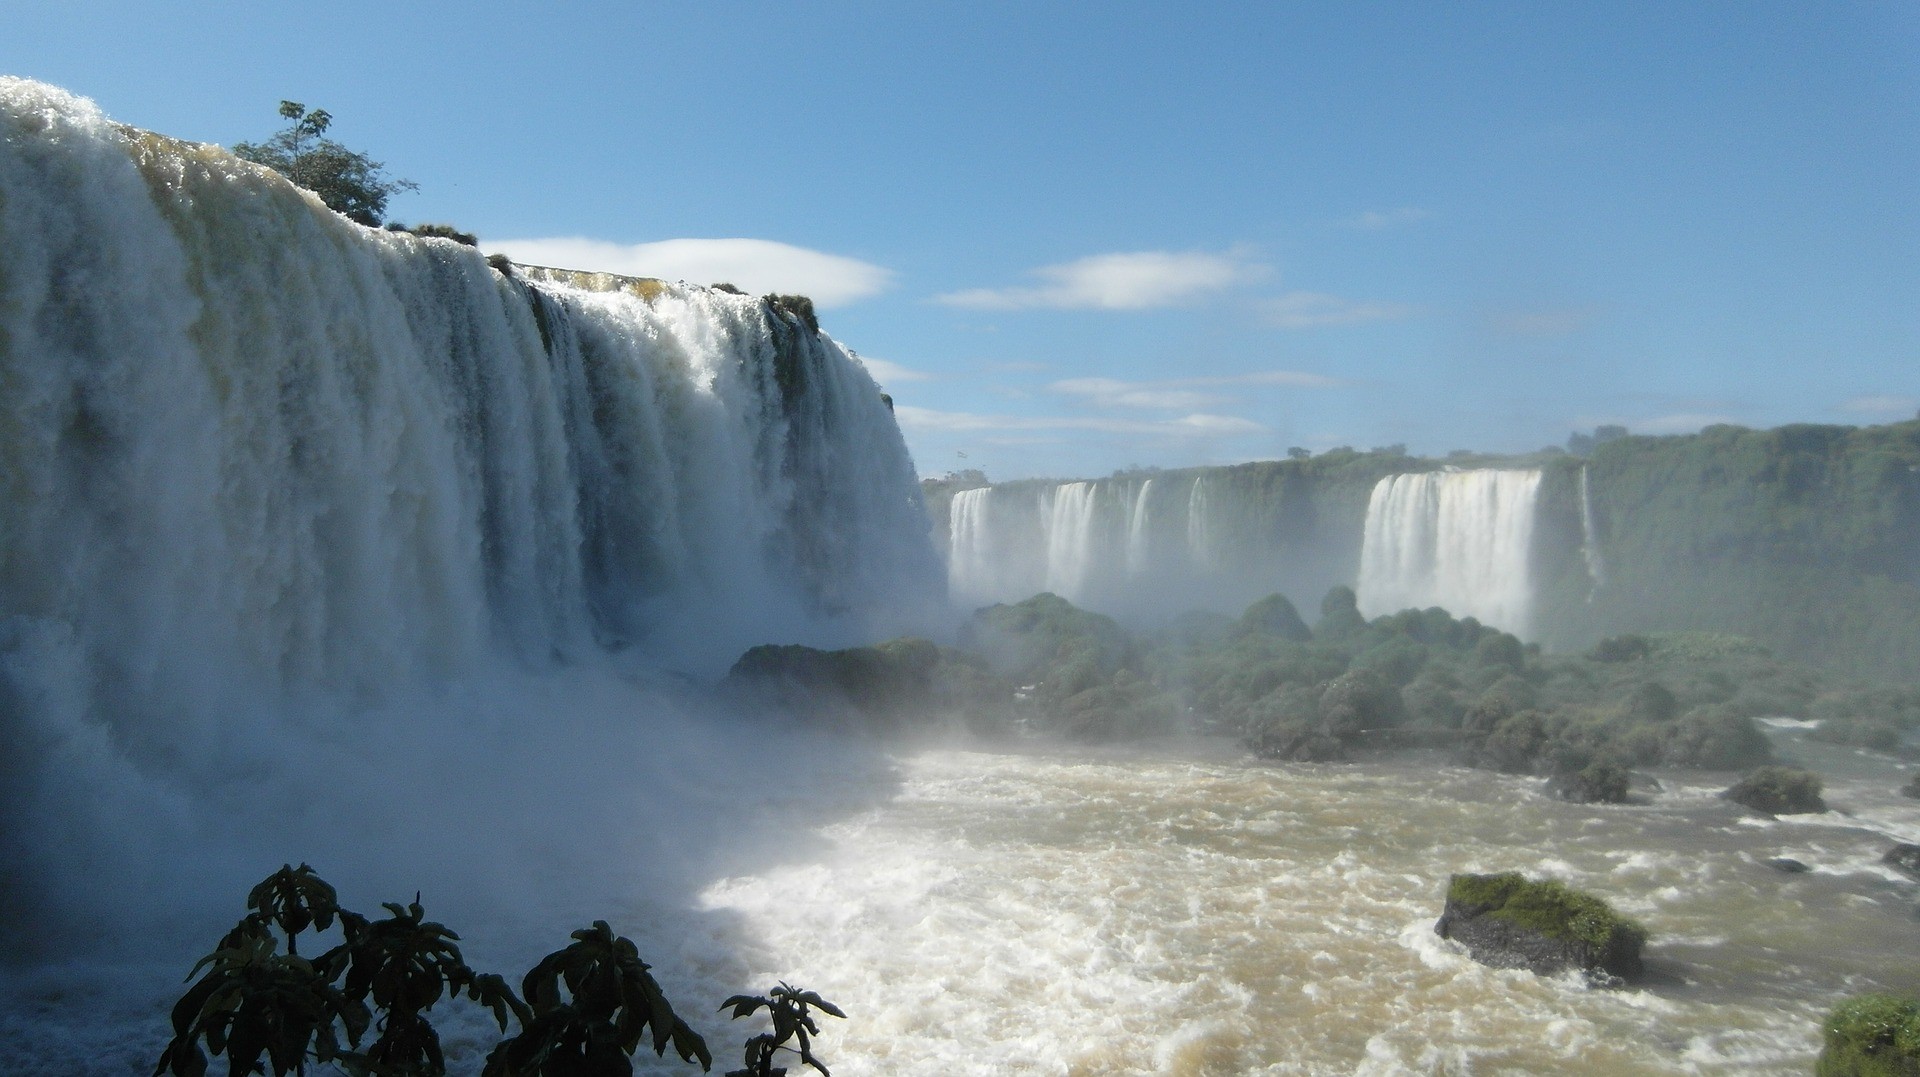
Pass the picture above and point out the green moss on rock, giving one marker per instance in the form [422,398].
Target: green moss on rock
[1547,906]
[1871,1036]
[1778,791]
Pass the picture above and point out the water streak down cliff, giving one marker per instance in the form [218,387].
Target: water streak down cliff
[253,455]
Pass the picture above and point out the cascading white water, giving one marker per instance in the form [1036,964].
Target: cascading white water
[1199,529]
[1590,540]
[990,553]
[1071,532]
[1139,532]
[1461,540]
[262,470]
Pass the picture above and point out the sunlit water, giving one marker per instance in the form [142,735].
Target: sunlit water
[1167,912]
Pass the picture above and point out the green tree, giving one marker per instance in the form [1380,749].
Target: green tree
[351,184]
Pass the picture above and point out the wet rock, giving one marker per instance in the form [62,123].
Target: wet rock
[1912,788]
[1904,857]
[1788,865]
[1596,783]
[1778,791]
[1508,921]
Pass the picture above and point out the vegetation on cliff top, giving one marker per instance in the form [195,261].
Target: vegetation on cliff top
[350,183]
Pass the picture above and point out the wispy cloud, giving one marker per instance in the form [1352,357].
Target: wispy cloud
[1183,393]
[1883,406]
[1375,220]
[1134,280]
[1194,425]
[892,373]
[1113,393]
[1313,310]
[756,266]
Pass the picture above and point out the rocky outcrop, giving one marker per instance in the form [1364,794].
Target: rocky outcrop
[1508,921]
[897,684]
[1871,1036]
[1596,783]
[1904,857]
[1778,791]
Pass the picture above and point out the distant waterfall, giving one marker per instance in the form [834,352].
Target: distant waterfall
[1460,540]
[1590,540]
[1199,524]
[1139,531]
[1070,532]
[1084,541]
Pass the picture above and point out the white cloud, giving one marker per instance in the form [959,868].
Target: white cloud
[1180,393]
[756,266]
[1885,406]
[1375,220]
[1312,310]
[1195,425]
[892,373]
[1113,393]
[1134,280]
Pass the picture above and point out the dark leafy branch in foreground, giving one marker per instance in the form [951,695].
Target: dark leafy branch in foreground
[787,1006]
[581,1012]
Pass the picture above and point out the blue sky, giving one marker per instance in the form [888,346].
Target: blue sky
[1076,238]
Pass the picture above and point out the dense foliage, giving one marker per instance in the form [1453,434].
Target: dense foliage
[1417,677]
[351,184]
[1806,538]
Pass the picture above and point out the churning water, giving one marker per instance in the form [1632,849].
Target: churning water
[1183,911]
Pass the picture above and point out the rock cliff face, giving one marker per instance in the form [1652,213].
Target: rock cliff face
[1507,921]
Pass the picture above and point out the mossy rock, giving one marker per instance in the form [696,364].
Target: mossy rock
[1778,791]
[1510,921]
[1871,1036]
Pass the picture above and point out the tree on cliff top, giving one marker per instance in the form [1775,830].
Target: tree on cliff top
[351,184]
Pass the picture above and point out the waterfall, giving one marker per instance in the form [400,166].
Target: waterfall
[262,464]
[1590,540]
[992,555]
[1139,526]
[1199,534]
[1460,540]
[1070,537]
